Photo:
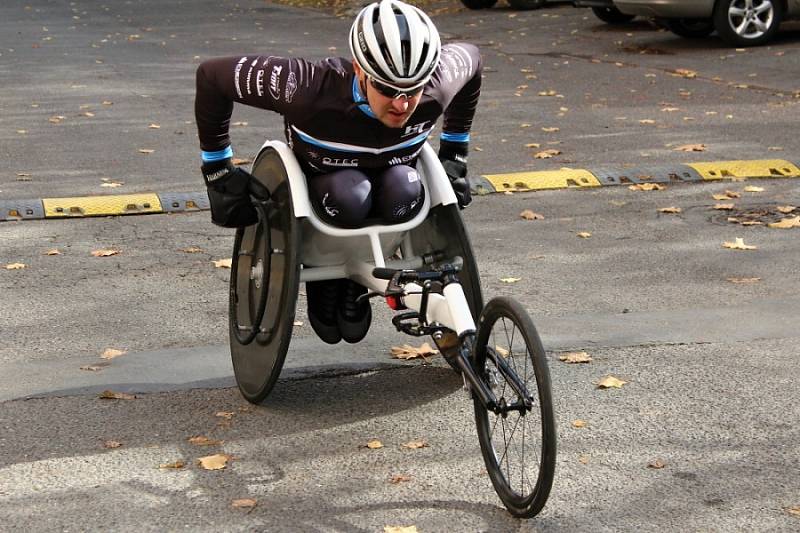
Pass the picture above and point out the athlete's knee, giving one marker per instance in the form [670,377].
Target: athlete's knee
[401,193]
[344,197]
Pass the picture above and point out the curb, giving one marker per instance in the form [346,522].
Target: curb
[152,203]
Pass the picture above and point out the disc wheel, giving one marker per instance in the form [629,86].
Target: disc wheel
[519,445]
[265,274]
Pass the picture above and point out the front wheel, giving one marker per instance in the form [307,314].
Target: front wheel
[691,28]
[518,445]
[747,22]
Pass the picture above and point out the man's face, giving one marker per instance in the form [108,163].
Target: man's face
[392,112]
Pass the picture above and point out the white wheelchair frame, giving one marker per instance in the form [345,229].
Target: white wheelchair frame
[331,252]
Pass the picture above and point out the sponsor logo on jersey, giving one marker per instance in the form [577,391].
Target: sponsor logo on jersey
[260,82]
[275,82]
[401,160]
[291,88]
[336,162]
[413,176]
[236,72]
[416,129]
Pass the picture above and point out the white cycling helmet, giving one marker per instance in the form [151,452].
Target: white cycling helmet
[395,43]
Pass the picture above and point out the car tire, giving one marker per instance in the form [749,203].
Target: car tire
[526,4]
[738,27]
[612,15]
[478,4]
[691,28]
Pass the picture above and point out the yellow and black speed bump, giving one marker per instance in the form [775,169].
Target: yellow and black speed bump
[547,179]
[764,168]
[172,202]
[21,210]
[656,174]
[89,206]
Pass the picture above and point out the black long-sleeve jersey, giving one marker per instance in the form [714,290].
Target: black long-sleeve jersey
[328,122]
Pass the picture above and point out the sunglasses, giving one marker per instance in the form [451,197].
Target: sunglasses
[393,92]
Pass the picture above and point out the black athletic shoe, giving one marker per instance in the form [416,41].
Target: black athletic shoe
[354,318]
[323,300]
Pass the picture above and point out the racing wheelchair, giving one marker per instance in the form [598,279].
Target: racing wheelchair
[426,270]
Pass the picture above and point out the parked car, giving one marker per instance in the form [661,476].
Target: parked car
[738,22]
[605,10]
[516,4]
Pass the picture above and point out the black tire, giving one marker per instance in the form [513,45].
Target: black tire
[524,487]
[526,4]
[741,28]
[612,15]
[478,4]
[257,365]
[690,28]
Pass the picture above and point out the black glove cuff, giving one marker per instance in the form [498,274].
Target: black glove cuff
[454,151]
[215,172]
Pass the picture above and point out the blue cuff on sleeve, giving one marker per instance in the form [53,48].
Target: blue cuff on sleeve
[455,137]
[209,157]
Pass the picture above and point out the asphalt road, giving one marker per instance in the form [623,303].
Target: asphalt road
[711,364]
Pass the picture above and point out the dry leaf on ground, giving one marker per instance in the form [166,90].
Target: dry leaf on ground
[407,351]
[753,188]
[154,127]
[670,210]
[15,266]
[217,461]
[146,151]
[111,353]
[794,511]
[399,478]
[646,187]
[530,215]
[54,251]
[374,444]
[547,154]
[227,415]
[237,161]
[575,357]
[685,73]
[744,280]
[192,250]
[609,382]
[111,444]
[579,423]
[647,121]
[691,148]
[104,253]
[400,529]
[550,130]
[201,440]
[583,459]
[244,503]
[223,263]
[532,145]
[175,465]
[112,395]
[112,184]
[786,223]
[786,209]
[94,368]
[510,280]
[584,234]
[724,207]
[657,464]
[297,323]
[738,244]
[415,444]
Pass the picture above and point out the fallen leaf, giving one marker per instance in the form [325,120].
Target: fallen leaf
[146,151]
[744,280]
[794,511]
[192,250]
[657,464]
[579,424]
[724,207]
[530,215]
[400,529]
[547,154]
[733,194]
[416,444]
[502,351]
[111,353]
[775,148]
[670,109]
[15,266]
[646,187]
[526,125]
[244,503]
[647,121]
[104,253]
[175,465]
[112,184]
[550,130]
[670,210]
[685,73]
[297,323]
[154,127]
[57,119]
[237,161]
[583,459]
[201,440]
[609,382]
[54,251]
[584,234]
[510,280]
[786,223]
[88,114]
[407,351]
[227,415]
[111,444]
[575,357]
[399,478]
[719,197]
[223,263]
[786,209]
[532,145]
[94,368]
[107,102]
[111,395]
[753,188]
[547,93]
[374,444]
[214,462]
[691,148]
[738,244]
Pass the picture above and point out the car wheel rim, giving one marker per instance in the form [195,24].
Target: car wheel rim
[751,19]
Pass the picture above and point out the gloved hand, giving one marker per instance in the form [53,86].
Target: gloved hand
[229,190]
[453,156]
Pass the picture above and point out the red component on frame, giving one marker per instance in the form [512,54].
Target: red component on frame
[395,302]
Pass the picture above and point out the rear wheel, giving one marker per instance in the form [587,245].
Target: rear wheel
[747,22]
[478,4]
[519,446]
[691,28]
[612,15]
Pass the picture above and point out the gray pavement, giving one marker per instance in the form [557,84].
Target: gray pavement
[711,364]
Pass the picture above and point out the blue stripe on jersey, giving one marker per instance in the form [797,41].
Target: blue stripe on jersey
[358,97]
[219,155]
[455,137]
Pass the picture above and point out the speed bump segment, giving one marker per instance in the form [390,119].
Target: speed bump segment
[763,168]
[547,179]
[90,206]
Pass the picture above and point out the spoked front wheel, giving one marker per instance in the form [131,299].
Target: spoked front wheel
[519,444]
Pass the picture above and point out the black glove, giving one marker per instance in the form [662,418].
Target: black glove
[229,190]
[453,156]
